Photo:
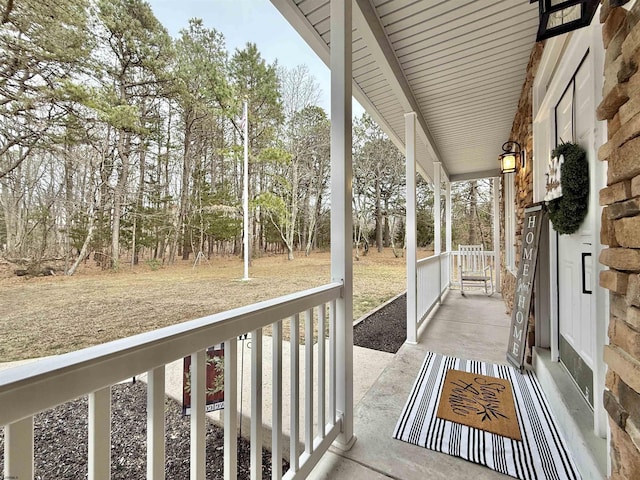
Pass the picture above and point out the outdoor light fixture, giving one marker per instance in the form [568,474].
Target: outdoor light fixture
[562,16]
[512,157]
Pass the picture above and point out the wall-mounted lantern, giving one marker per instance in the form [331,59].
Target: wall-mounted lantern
[512,157]
[562,16]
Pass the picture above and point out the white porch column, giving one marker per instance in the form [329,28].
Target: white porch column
[341,219]
[411,229]
[437,218]
[496,231]
[448,237]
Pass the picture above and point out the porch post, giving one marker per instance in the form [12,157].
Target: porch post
[497,265]
[411,233]
[447,213]
[437,218]
[341,219]
[448,234]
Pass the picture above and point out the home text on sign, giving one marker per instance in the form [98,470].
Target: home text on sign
[524,286]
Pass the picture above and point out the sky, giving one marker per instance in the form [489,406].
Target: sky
[256,21]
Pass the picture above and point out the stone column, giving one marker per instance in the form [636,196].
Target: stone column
[620,232]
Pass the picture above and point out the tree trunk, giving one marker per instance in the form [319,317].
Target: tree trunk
[473,206]
[106,169]
[137,220]
[68,207]
[184,191]
[85,247]
[379,224]
[291,226]
[124,146]
[386,233]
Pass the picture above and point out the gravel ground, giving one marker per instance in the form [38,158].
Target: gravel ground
[61,441]
[61,433]
[386,329]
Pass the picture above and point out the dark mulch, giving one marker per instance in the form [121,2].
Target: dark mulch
[386,329]
[61,440]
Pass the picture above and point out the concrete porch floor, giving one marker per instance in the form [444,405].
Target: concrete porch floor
[474,327]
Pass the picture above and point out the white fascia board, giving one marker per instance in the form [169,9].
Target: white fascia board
[377,117]
[299,22]
[461,177]
[423,173]
[424,166]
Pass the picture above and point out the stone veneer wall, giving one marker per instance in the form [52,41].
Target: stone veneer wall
[521,132]
[621,233]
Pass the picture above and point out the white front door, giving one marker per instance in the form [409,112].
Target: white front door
[575,122]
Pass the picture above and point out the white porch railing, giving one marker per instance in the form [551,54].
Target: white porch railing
[432,282]
[453,265]
[30,389]
[445,271]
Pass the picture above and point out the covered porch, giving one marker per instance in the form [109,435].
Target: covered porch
[444,83]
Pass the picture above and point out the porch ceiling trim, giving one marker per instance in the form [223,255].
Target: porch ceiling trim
[461,177]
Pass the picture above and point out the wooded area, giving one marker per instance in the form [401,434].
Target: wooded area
[121,144]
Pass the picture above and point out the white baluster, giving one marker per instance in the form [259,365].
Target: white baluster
[18,449]
[155,424]
[295,392]
[308,392]
[332,363]
[198,414]
[231,409]
[276,385]
[100,434]
[256,404]
[321,368]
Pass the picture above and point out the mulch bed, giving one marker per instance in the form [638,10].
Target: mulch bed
[384,330]
[61,440]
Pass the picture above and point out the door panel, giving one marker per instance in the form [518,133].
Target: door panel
[584,130]
[564,118]
[575,123]
[568,298]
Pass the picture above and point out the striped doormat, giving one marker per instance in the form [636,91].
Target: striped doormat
[540,454]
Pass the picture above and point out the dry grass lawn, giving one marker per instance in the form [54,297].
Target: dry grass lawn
[53,315]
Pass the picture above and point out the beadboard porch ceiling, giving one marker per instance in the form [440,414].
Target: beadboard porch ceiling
[459,64]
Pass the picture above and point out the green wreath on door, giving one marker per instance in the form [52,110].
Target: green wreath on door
[568,212]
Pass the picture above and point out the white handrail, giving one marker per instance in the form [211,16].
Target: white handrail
[429,285]
[78,373]
[445,272]
[27,390]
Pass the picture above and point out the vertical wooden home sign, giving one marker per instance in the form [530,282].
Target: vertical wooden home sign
[524,285]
